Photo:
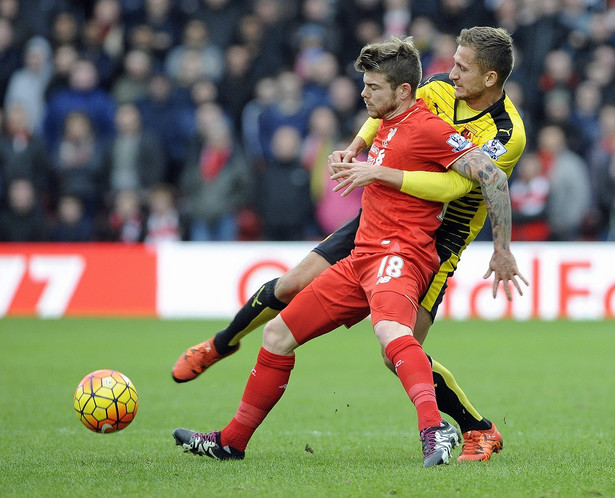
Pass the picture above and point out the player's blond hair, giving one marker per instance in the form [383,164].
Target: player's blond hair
[493,48]
[398,59]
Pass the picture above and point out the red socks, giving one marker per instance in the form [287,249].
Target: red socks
[265,387]
[414,371]
[270,376]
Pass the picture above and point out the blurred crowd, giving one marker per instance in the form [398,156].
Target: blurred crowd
[199,120]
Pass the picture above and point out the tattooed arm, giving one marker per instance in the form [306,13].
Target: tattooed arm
[477,166]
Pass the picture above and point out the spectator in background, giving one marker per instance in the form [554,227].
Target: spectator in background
[310,43]
[529,193]
[221,18]
[559,72]
[92,49]
[9,55]
[83,95]
[539,32]
[26,21]
[64,57]
[64,29]
[78,162]
[71,223]
[163,222]
[514,91]
[195,39]
[285,201]
[557,111]
[274,51]
[320,72]
[424,34]
[569,185]
[23,153]
[190,70]
[134,159]
[331,209]
[396,18]
[584,118]
[251,35]
[265,94]
[27,85]
[203,91]
[602,154]
[605,199]
[343,100]
[125,222]
[558,79]
[107,17]
[236,87]
[171,118]
[216,182]
[156,26]
[289,109]
[22,220]
[358,24]
[316,21]
[131,84]
[443,51]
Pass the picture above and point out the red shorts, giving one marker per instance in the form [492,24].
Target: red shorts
[387,286]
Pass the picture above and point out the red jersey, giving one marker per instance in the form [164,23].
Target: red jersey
[392,221]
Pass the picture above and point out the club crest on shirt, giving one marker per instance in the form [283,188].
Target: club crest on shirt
[391,134]
[494,148]
[458,142]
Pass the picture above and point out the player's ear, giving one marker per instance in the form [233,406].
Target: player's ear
[404,90]
[491,78]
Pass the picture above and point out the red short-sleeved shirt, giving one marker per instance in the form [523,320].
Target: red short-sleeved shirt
[394,256]
[416,140]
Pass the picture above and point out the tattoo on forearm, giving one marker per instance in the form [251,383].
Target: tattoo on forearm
[494,185]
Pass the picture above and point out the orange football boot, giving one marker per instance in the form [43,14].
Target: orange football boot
[479,445]
[196,359]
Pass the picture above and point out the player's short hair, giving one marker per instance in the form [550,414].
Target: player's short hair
[398,59]
[493,48]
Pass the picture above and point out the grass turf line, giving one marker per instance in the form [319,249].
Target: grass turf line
[547,385]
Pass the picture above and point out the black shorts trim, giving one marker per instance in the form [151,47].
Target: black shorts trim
[339,244]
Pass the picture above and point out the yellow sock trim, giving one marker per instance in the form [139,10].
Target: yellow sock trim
[453,386]
[262,318]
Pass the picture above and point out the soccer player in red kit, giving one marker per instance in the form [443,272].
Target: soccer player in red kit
[386,273]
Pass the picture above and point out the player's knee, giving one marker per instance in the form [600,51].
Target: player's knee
[277,338]
[295,280]
[423,323]
[288,286]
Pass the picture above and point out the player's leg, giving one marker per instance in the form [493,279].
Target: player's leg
[265,304]
[481,437]
[307,317]
[393,306]
[269,300]
[266,385]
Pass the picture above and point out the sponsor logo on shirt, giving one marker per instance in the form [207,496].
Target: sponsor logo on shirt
[494,148]
[458,142]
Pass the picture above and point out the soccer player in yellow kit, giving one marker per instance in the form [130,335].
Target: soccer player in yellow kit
[471,98]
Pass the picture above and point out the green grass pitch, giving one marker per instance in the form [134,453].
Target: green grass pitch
[549,387]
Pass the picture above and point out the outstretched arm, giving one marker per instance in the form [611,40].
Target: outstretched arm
[477,166]
[431,186]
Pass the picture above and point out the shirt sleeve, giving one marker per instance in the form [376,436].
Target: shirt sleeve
[439,187]
[368,130]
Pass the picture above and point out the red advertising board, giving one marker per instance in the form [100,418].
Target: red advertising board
[213,280]
[53,280]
